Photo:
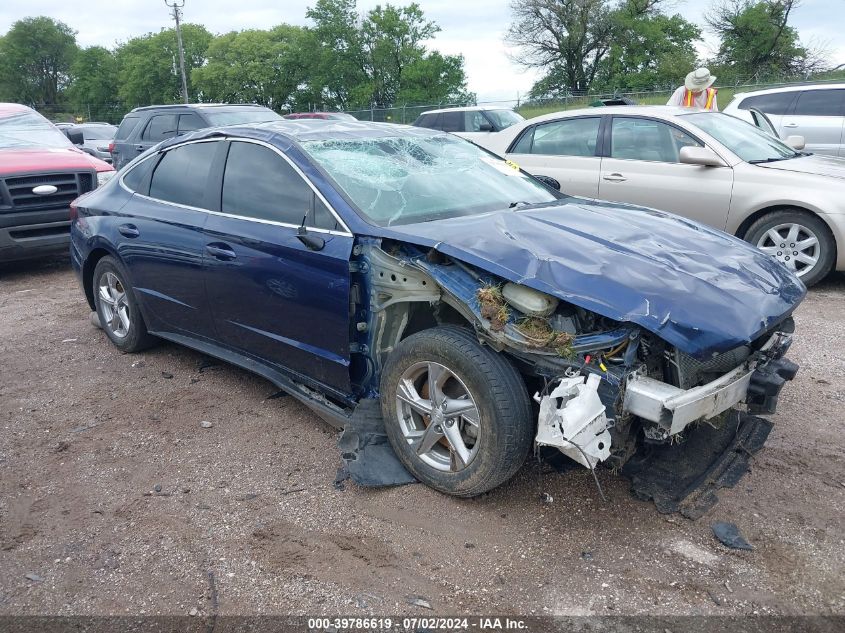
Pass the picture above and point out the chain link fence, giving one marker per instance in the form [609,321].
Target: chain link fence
[408,113]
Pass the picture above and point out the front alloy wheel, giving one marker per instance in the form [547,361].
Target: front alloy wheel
[799,240]
[793,245]
[438,416]
[456,412]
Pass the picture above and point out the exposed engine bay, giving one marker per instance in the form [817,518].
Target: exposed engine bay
[603,388]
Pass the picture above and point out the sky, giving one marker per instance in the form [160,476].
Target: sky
[474,28]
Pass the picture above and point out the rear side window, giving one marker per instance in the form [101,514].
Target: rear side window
[570,137]
[473,120]
[427,120]
[126,127]
[137,178]
[182,174]
[821,103]
[452,122]
[160,127]
[775,103]
[189,123]
[260,184]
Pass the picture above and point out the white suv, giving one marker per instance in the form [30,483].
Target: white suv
[816,112]
[470,122]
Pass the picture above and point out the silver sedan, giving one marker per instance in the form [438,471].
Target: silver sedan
[705,166]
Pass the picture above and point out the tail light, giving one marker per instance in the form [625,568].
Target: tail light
[111,147]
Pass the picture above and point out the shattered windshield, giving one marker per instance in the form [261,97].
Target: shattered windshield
[28,129]
[408,179]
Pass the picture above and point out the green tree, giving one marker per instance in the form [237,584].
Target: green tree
[392,40]
[35,60]
[756,41]
[255,66]
[648,51]
[94,87]
[336,68]
[434,78]
[566,38]
[148,66]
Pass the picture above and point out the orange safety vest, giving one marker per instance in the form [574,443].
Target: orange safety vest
[689,100]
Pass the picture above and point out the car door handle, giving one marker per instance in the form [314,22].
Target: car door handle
[128,230]
[221,251]
[615,177]
[790,125]
[140,148]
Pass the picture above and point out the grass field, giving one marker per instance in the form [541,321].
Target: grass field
[530,111]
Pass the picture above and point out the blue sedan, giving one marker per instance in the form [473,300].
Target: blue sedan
[481,310]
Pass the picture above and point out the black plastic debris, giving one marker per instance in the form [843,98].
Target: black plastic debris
[684,478]
[729,535]
[365,449]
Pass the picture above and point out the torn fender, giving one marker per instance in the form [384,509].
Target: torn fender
[698,289]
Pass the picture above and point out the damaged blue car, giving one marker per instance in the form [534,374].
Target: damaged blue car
[404,281]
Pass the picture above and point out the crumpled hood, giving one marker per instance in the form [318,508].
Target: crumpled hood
[820,165]
[697,288]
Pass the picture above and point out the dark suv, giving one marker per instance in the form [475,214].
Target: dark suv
[144,127]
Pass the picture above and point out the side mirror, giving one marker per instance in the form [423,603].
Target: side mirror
[485,127]
[75,137]
[549,182]
[704,156]
[311,242]
[795,142]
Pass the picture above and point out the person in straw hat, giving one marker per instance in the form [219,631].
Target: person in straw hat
[696,91]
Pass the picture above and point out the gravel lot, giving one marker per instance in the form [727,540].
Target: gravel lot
[115,500]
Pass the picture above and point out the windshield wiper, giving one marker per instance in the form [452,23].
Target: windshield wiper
[517,203]
[771,159]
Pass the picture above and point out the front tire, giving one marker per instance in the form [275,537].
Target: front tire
[456,413]
[117,307]
[800,241]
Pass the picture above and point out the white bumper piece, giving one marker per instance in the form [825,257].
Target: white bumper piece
[578,427]
[673,408]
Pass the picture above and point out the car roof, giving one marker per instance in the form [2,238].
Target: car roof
[793,88]
[660,111]
[9,108]
[197,106]
[303,130]
[466,109]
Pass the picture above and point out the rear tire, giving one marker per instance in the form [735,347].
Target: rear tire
[470,452]
[117,308]
[797,239]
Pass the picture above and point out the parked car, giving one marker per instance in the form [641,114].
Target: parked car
[816,112]
[706,166]
[330,116]
[353,261]
[144,127]
[96,138]
[41,172]
[470,122]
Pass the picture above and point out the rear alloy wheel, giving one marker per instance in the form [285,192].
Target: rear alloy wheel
[456,413]
[117,309]
[798,240]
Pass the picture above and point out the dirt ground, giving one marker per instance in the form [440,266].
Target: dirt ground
[115,500]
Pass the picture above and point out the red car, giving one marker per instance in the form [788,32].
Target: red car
[334,116]
[41,173]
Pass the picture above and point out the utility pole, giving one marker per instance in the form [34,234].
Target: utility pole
[177,11]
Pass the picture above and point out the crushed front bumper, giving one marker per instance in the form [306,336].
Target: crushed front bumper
[757,382]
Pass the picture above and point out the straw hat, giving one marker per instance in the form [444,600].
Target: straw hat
[698,80]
